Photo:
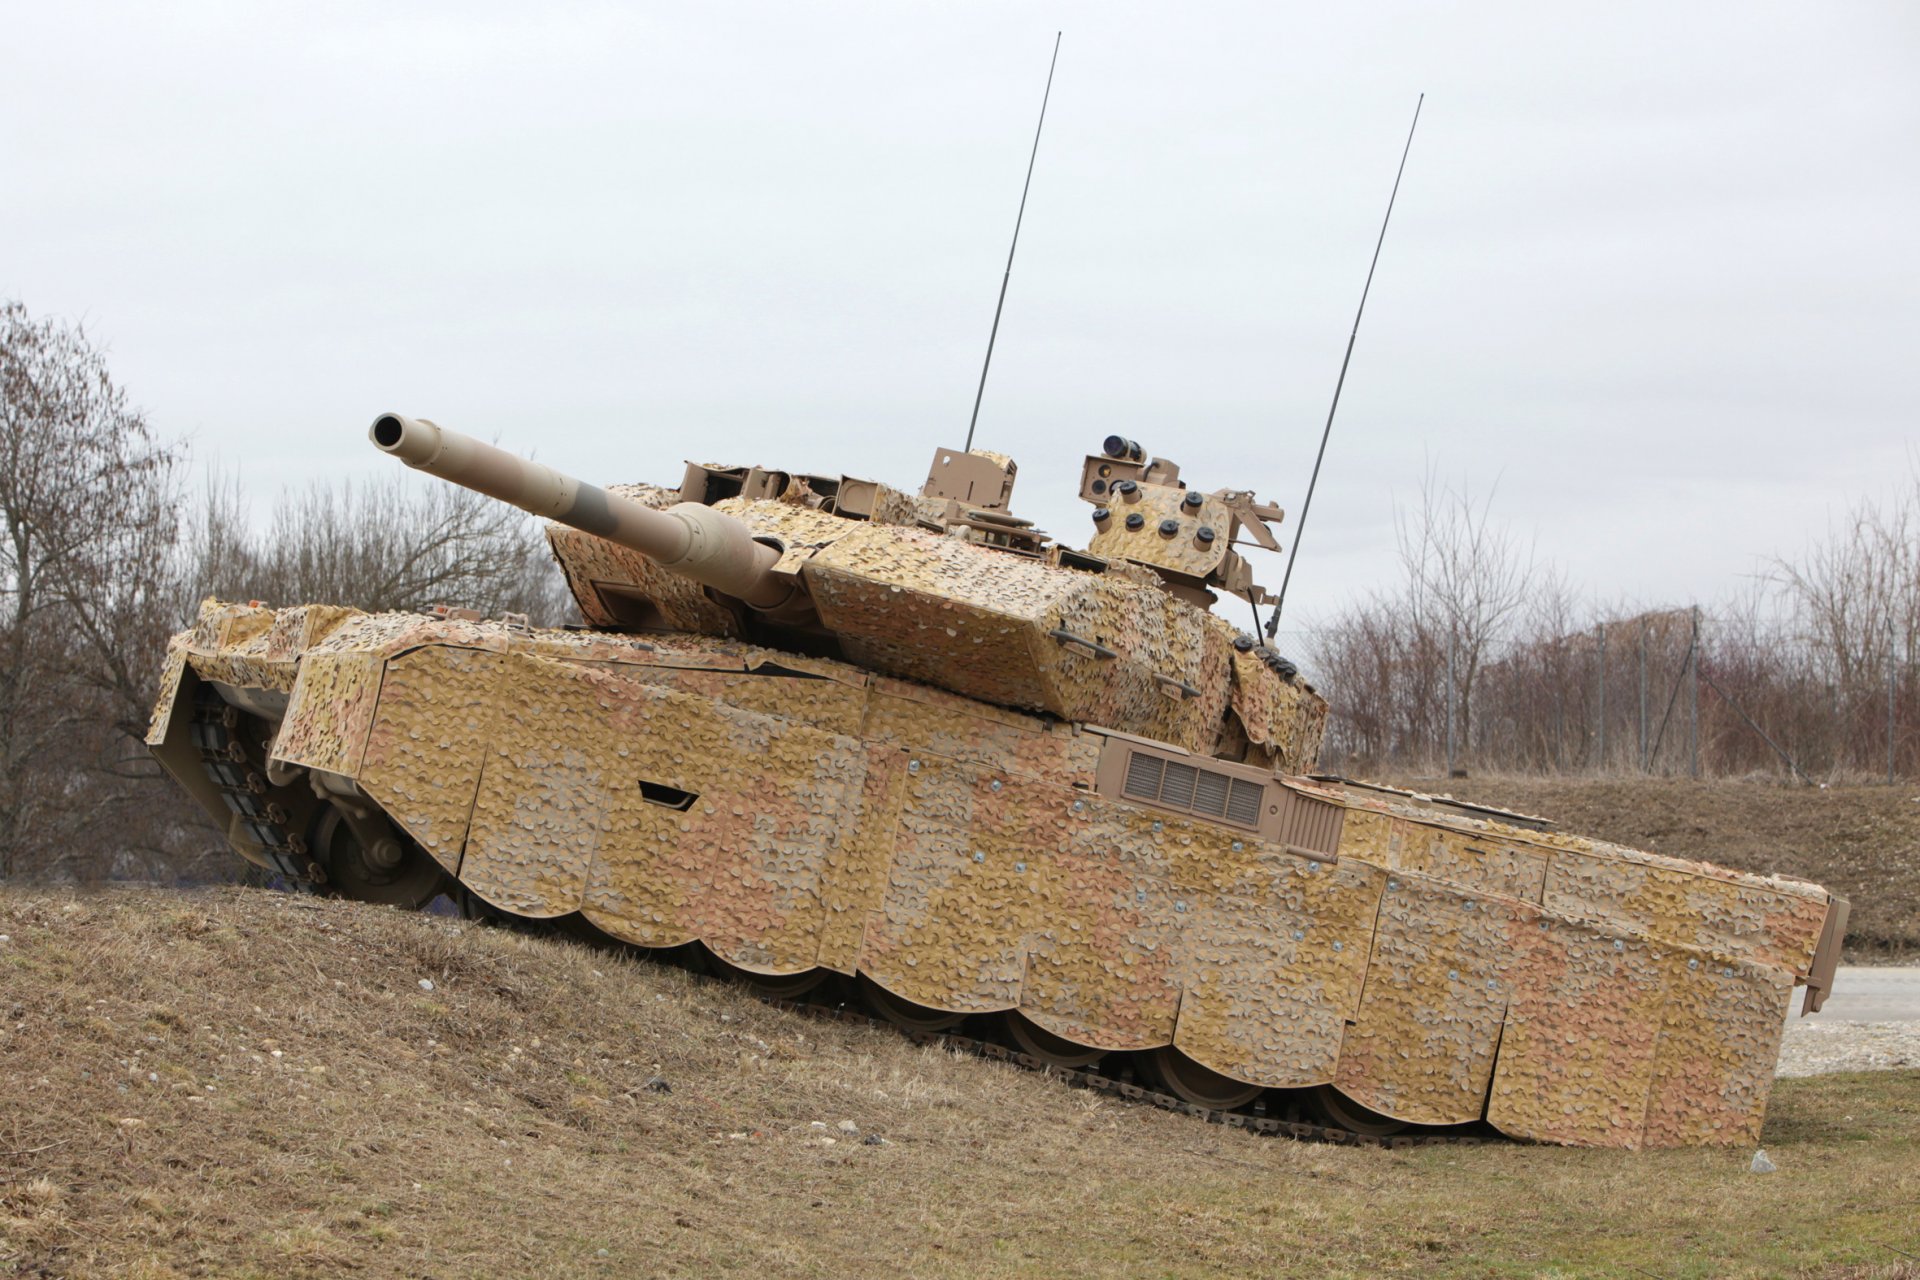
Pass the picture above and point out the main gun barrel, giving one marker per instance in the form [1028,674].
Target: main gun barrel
[688,538]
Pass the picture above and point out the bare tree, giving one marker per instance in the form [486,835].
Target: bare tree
[1466,578]
[85,509]
[1857,585]
[104,553]
[384,545]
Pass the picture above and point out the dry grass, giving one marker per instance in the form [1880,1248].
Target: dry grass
[238,1083]
[1862,842]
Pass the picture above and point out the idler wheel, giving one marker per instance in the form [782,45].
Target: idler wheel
[1172,1071]
[905,1014]
[1056,1051]
[1337,1109]
[769,986]
[368,860]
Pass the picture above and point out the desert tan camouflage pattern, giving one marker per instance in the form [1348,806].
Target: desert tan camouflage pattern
[1766,919]
[916,604]
[609,582]
[979,622]
[892,506]
[794,813]
[1284,720]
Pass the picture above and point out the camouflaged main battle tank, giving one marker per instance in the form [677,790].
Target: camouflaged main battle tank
[904,744]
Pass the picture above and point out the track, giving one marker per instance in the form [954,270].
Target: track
[1281,1121]
[1276,1113]
[222,733]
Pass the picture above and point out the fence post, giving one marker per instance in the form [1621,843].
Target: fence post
[1892,667]
[1600,753]
[1645,764]
[1452,696]
[1693,721]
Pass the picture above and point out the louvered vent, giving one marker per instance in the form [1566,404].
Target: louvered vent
[1143,775]
[1210,795]
[1243,806]
[1191,789]
[1313,825]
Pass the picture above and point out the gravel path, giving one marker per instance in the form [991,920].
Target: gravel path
[1871,1022]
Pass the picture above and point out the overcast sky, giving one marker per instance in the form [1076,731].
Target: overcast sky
[1654,267]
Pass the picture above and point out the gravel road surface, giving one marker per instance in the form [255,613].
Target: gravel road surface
[1871,1022]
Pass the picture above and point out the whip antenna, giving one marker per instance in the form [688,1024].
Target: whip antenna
[995,331]
[1273,622]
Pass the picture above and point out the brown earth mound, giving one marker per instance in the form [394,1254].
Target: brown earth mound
[1862,842]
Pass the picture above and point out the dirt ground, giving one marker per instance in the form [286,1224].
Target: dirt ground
[239,1083]
[1862,842]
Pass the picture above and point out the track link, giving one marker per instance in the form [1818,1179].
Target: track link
[218,734]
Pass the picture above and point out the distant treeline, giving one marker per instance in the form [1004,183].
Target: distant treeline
[1480,657]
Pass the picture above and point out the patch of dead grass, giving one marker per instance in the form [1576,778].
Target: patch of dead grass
[241,1083]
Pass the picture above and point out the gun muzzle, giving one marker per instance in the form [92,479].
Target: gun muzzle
[688,538]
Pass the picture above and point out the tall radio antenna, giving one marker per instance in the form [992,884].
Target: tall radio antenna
[995,331]
[1273,621]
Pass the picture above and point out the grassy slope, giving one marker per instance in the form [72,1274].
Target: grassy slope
[1862,842]
[501,1124]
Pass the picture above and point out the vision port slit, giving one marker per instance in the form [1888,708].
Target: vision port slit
[667,797]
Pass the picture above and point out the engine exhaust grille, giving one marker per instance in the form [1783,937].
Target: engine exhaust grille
[1204,793]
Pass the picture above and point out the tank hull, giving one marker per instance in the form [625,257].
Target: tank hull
[1119,893]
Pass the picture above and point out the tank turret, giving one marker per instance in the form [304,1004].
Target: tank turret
[946,586]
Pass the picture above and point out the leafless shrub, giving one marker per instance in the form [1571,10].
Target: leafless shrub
[396,543]
[1466,580]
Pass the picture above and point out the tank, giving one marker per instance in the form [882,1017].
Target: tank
[833,736]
